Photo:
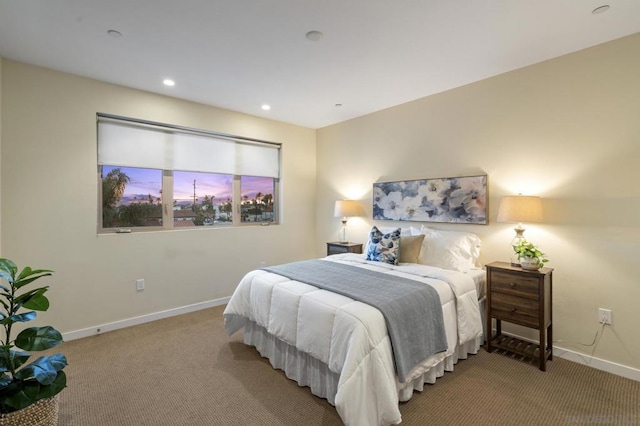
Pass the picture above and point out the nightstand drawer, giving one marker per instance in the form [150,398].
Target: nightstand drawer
[514,284]
[519,310]
[338,248]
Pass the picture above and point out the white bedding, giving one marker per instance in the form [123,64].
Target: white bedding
[479,277]
[350,337]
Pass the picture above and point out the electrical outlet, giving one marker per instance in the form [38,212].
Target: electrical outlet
[140,284]
[604,316]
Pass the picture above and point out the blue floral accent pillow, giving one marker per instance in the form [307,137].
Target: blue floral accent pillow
[384,247]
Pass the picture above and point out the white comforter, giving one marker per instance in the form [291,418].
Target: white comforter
[351,337]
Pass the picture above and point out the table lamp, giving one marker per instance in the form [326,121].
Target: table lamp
[344,209]
[519,208]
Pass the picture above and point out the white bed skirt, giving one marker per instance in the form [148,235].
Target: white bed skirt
[309,371]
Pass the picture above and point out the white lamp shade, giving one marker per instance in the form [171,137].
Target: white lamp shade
[520,208]
[346,208]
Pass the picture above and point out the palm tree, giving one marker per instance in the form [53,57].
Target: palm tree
[243,211]
[268,204]
[228,209]
[113,186]
[256,201]
[208,210]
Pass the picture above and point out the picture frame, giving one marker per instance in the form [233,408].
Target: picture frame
[442,200]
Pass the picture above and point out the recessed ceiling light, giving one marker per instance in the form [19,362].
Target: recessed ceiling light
[313,35]
[601,9]
[338,105]
[169,82]
[114,33]
[266,107]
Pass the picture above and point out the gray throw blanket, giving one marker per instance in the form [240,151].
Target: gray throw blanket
[412,310]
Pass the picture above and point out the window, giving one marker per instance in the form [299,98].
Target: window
[131,197]
[257,199]
[202,199]
[154,176]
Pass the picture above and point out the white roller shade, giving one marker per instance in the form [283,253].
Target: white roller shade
[257,160]
[203,154]
[130,145]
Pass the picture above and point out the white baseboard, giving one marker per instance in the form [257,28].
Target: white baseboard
[598,363]
[103,328]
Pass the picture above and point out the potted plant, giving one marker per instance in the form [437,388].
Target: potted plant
[27,390]
[531,258]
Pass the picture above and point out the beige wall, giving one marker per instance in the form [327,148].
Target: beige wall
[1,156]
[567,130]
[49,202]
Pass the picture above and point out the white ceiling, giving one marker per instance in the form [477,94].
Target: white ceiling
[239,54]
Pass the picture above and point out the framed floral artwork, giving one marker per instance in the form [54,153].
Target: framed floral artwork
[451,200]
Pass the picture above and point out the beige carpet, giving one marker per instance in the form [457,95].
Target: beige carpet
[186,371]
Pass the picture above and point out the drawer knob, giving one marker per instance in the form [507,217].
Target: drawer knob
[512,285]
[513,310]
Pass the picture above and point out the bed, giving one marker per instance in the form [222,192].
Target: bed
[341,348]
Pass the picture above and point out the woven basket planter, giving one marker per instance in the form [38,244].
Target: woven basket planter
[42,413]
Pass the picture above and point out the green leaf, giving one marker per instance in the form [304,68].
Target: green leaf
[27,316]
[8,266]
[20,395]
[27,272]
[54,388]
[34,299]
[44,369]
[4,362]
[5,381]
[6,276]
[21,283]
[19,358]
[38,302]
[38,338]
[10,358]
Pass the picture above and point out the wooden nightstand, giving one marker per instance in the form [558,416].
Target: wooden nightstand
[520,297]
[337,248]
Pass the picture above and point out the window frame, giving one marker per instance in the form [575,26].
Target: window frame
[167,182]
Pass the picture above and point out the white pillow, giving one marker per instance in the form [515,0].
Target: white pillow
[455,250]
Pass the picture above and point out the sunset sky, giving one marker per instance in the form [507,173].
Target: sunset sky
[148,181]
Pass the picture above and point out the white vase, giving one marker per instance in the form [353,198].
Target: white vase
[529,263]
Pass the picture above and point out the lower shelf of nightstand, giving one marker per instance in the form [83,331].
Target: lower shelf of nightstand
[518,347]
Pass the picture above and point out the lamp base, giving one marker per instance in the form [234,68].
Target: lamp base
[513,256]
[342,236]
